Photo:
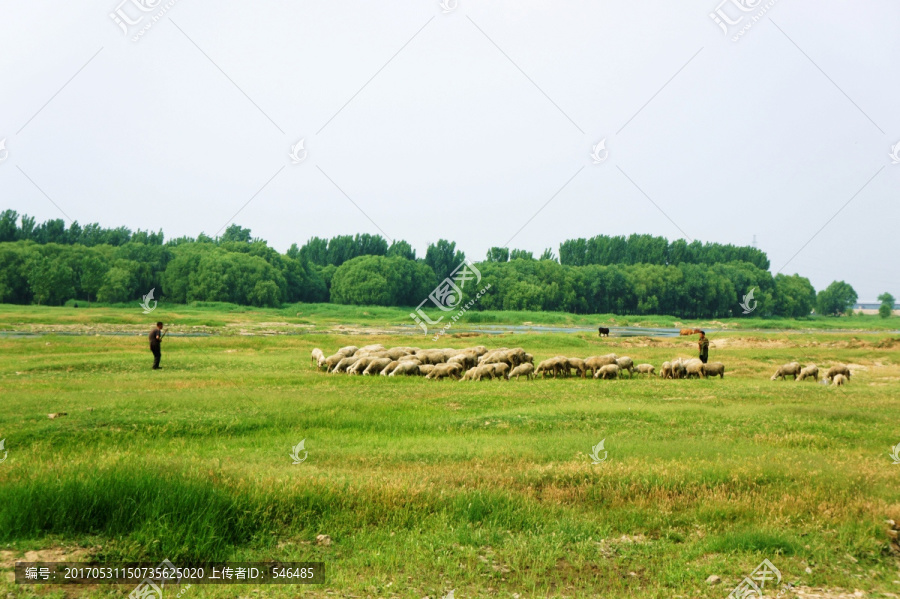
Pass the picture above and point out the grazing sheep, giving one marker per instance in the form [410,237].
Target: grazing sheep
[648,369]
[792,369]
[490,353]
[444,370]
[811,371]
[839,380]
[477,373]
[500,370]
[510,357]
[344,364]
[376,366]
[372,348]
[426,369]
[389,368]
[693,368]
[545,367]
[405,368]
[348,351]
[676,369]
[603,331]
[610,371]
[595,362]
[529,358]
[667,371]
[360,365]
[395,353]
[577,364]
[836,370]
[431,356]
[713,369]
[526,370]
[485,371]
[466,360]
[479,350]
[626,363]
[332,361]
[317,356]
[517,355]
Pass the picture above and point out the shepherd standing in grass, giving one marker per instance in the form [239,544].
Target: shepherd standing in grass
[156,336]
[704,347]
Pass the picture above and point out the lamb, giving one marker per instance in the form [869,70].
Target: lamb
[792,369]
[836,370]
[526,370]
[376,366]
[811,371]
[610,371]
[626,363]
[317,356]
[405,368]
[647,369]
[713,369]
[839,380]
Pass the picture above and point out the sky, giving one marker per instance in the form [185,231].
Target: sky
[466,120]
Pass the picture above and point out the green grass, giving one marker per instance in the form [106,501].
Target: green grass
[426,486]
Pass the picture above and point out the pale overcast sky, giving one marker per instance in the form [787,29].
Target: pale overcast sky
[462,122]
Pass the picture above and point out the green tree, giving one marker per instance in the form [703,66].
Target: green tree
[887,305]
[794,296]
[838,298]
[443,257]
[401,249]
[521,255]
[548,255]
[235,233]
[264,294]
[496,254]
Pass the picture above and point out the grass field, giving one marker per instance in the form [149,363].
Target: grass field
[430,486]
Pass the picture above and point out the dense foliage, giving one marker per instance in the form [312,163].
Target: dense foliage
[51,264]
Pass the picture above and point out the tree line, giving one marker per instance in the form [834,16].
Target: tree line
[51,264]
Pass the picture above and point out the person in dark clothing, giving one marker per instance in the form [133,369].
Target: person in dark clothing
[704,347]
[156,336]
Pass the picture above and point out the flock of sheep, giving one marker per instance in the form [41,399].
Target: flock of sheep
[837,374]
[478,363]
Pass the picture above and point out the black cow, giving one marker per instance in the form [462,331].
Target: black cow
[604,331]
